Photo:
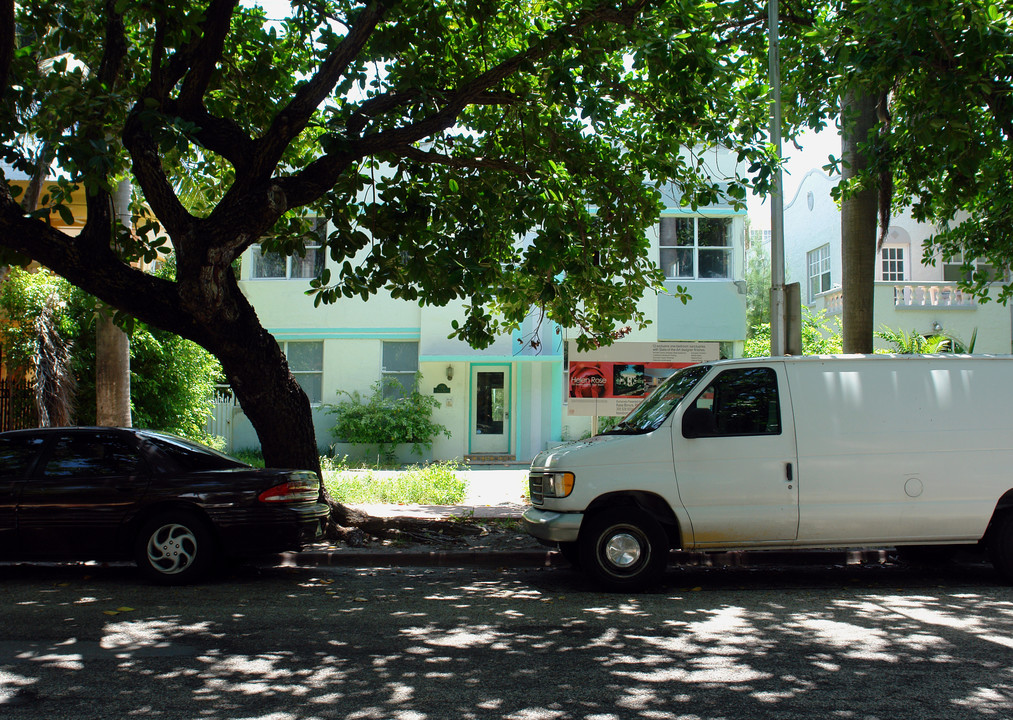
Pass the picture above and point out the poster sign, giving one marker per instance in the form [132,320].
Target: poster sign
[615,379]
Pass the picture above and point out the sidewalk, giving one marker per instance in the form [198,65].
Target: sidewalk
[501,494]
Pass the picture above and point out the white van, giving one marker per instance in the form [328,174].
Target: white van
[807,452]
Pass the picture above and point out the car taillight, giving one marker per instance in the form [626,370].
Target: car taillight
[301,490]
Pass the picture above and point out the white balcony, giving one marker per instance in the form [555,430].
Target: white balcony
[930,308]
[905,296]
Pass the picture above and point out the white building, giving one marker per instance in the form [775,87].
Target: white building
[910,295]
[508,401]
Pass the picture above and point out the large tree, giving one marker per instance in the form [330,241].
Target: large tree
[927,125]
[504,154]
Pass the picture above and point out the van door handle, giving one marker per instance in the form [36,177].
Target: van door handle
[788,472]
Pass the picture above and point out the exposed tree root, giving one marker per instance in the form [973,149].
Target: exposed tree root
[356,528]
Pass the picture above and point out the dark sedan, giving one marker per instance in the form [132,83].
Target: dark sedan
[174,506]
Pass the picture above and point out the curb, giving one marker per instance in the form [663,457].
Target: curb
[552,558]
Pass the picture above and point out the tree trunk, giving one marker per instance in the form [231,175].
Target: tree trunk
[112,347]
[254,365]
[859,215]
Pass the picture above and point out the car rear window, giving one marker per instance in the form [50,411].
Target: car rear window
[191,456]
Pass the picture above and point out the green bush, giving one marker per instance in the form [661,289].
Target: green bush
[401,418]
[430,484]
[172,380]
[820,336]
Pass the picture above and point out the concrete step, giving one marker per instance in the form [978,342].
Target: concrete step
[490,459]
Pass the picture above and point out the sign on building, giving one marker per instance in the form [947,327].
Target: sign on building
[613,380]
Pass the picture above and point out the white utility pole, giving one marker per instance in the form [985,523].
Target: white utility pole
[778,331]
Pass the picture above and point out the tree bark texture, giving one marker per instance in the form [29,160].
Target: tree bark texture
[112,346]
[859,215]
[112,374]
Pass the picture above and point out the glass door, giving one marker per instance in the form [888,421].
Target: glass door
[490,409]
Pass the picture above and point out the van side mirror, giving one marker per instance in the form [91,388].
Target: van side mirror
[698,422]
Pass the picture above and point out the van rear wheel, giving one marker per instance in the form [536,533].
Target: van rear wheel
[1000,546]
[623,549]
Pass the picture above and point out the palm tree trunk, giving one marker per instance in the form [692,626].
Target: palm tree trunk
[112,348]
[859,215]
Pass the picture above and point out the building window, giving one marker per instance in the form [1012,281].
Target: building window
[400,364]
[696,248]
[954,271]
[268,264]
[892,264]
[818,262]
[306,363]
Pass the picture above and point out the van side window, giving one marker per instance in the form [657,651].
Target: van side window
[741,401]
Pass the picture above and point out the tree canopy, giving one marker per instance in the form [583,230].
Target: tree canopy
[506,156]
[942,71]
[500,155]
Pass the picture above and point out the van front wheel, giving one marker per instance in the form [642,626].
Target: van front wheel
[623,549]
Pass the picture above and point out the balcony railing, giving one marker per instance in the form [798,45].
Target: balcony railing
[906,295]
[936,295]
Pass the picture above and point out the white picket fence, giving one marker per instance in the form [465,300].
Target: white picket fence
[223,412]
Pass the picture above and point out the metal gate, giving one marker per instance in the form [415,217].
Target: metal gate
[17,404]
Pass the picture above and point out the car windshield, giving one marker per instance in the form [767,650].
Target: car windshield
[657,406]
[190,455]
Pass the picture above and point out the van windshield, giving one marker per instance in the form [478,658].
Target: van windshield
[657,406]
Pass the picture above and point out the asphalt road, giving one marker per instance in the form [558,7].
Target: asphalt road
[887,643]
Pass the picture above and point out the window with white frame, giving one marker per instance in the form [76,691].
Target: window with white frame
[696,248]
[818,263]
[268,264]
[399,365]
[306,363]
[892,264]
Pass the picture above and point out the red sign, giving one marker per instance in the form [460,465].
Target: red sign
[618,379]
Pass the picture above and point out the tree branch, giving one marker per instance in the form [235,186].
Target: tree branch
[294,117]
[100,272]
[323,172]
[435,158]
[202,57]
[7,40]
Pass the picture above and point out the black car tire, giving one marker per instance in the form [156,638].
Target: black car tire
[570,552]
[1000,546]
[624,549]
[175,547]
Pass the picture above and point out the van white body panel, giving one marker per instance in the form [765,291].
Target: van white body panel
[867,450]
[902,450]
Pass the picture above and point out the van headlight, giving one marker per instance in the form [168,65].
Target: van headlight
[557,484]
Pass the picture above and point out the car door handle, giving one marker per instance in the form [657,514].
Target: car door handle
[788,472]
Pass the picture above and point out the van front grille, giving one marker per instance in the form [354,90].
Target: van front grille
[535,488]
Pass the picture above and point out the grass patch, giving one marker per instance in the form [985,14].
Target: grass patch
[250,456]
[429,484]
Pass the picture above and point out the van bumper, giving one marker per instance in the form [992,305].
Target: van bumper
[552,526]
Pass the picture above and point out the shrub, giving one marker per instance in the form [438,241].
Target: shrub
[400,418]
[915,343]
[171,379]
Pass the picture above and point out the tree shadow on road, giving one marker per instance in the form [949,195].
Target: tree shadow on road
[303,643]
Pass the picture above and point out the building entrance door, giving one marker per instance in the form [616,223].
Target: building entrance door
[490,409]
